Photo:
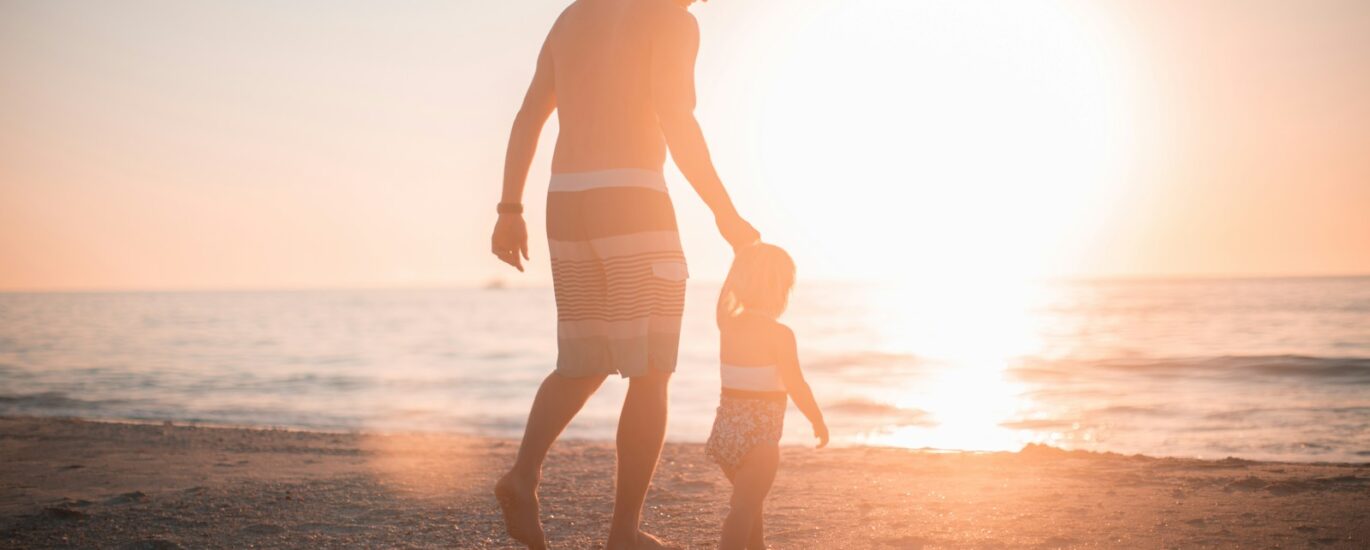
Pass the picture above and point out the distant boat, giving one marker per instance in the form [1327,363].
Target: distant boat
[495,284]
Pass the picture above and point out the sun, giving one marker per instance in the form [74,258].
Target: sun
[956,151]
[912,140]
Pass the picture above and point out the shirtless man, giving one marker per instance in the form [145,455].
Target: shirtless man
[620,74]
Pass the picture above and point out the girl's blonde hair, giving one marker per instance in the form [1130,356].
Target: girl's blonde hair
[759,282]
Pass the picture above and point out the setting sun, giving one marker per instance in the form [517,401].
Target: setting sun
[1009,126]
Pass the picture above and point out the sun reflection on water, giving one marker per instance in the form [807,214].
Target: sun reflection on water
[972,334]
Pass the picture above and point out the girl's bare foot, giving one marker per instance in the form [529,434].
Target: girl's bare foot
[520,506]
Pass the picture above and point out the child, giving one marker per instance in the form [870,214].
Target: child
[760,369]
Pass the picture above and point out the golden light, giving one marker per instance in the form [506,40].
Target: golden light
[958,149]
[909,140]
[972,331]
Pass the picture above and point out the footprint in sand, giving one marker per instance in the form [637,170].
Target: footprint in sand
[127,498]
[1249,483]
[1058,542]
[151,544]
[64,514]
[332,529]
[906,543]
[263,529]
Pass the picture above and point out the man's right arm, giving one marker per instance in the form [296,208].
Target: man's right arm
[673,95]
[510,239]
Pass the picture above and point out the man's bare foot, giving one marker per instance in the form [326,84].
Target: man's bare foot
[643,541]
[646,541]
[520,506]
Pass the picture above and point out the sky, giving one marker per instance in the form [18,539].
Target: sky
[194,144]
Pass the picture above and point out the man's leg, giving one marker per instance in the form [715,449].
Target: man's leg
[557,402]
[641,431]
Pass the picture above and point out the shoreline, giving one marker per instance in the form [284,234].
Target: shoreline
[195,424]
[100,483]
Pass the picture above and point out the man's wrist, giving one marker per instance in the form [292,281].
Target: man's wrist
[509,208]
[728,213]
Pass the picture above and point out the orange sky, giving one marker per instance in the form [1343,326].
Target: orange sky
[194,144]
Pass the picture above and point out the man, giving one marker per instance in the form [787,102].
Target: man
[620,74]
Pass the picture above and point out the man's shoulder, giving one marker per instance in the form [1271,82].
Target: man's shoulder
[660,16]
[671,16]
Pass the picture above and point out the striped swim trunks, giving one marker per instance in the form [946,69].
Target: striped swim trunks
[618,271]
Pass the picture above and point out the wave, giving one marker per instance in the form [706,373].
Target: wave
[866,359]
[864,407]
[51,400]
[1354,370]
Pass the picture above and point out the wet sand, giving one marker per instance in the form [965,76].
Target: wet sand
[81,484]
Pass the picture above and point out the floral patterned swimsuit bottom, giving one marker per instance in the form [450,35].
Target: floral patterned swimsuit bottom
[751,412]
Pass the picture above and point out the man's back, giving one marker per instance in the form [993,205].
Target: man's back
[601,53]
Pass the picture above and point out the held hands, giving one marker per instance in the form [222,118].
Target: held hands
[820,430]
[510,240]
[737,231]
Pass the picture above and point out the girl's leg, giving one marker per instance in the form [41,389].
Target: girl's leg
[757,541]
[751,483]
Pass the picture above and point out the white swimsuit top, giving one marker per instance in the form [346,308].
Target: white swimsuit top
[751,378]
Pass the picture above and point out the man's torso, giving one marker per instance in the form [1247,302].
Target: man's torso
[601,53]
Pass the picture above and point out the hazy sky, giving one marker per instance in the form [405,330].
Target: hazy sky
[261,144]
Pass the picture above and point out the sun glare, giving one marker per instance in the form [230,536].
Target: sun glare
[976,145]
[972,332]
[976,137]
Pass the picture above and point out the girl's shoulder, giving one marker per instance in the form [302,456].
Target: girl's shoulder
[759,328]
[781,335]
[757,337]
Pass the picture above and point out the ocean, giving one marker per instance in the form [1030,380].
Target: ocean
[1263,369]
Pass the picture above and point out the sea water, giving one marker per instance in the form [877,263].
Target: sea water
[1273,369]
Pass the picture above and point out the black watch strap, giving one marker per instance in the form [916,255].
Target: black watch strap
[509,208]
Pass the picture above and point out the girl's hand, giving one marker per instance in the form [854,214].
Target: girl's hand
[820,430]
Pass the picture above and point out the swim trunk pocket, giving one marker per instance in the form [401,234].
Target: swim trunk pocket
[674,271]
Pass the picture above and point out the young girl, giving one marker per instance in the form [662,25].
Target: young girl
[760,369]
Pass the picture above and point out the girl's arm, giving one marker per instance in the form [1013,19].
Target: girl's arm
[795,385]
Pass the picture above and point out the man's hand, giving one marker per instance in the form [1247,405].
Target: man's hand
[510,240]
[737,231]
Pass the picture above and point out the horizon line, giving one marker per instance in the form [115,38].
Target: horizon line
[505,284]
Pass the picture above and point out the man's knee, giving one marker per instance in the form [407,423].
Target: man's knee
[653,380]
[560,383]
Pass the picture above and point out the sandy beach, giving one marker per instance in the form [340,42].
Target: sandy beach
[83,484]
